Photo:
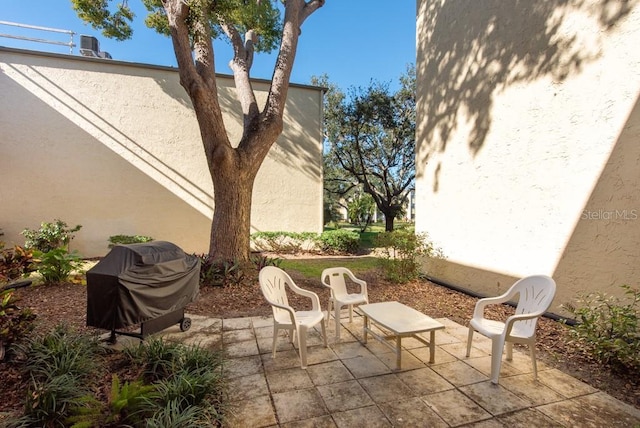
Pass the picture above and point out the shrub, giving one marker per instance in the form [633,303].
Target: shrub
[283,242]
[128,239]
[609,328]
[182,386]
[15,323]
[62,366]
[15,263]
[50,236]
[402,247]
[339,241]
[220,273]
[56,265]
[260,262]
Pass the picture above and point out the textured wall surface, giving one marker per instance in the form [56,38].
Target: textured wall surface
[529,142]
[115,147]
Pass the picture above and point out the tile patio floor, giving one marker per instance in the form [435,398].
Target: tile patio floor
[350,384]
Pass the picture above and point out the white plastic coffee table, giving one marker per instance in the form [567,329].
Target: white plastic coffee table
[397,321]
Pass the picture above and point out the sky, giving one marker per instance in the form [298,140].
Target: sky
[352,41]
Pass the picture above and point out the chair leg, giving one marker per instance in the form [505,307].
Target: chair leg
[469,339]
[329,309]
[275,339]
[532,349]
[302,344]
[350,313]
[336,316]
[324,335]
[497,346]
[509,346]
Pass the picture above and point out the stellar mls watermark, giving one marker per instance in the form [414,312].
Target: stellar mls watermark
[624,215]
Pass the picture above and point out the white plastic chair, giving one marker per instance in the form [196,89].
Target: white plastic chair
[535,296]
[335,279]
[273,283]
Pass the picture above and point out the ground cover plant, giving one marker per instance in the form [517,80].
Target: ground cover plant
[169,384]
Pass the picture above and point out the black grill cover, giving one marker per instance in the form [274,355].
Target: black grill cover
[138,282]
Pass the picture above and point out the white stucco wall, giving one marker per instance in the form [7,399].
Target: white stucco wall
[528,142]
[115,147]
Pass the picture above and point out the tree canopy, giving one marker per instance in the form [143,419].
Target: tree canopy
[370,137]
[249,25]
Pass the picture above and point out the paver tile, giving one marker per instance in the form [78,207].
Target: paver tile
[385,388]
[455,408]
[246,387]
[363,417]
[424,381]
[494,398]
[344,396]
[366,366]
[298,404]
[459,373]
[411,412]
[330,372]
[256,412]
[564,384]
[288,379]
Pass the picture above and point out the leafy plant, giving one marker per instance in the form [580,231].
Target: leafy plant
[15,263]
[339,241]
[56,265]
[128,239]
[129,402]
[50,236]
[220,273]
[260,261]
[609,327]
[15,323]
[283,242]
[177,414]
[401,249]
[63,351]
[62,366]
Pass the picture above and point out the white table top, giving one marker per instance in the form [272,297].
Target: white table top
[399,318]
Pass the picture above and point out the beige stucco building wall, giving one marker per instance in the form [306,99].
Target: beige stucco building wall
[115,147]
[528,157]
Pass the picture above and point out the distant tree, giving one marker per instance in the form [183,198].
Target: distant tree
[192,26]
[371,143]
[360,210]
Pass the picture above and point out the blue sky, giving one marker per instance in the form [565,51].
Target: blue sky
[353,41]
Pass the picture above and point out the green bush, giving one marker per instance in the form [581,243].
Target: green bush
[401,249]
[339,241]
[56,265]
[283,242]
[50,236]
[15,323]
[609,328]
[181,386]
[62,367]
[15,263]
[220,273]
[128,239]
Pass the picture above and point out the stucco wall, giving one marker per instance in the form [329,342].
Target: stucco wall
[115,147]
[529,142]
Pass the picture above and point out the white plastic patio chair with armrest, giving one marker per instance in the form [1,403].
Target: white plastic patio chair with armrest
[336,280]
[273,283]
[536,293]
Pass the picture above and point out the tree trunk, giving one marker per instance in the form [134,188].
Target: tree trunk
[388,221]
[231,225]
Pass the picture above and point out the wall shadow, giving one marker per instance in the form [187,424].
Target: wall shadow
[604,248]
[467,54]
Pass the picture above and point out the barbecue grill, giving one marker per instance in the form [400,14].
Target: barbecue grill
[147,284]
